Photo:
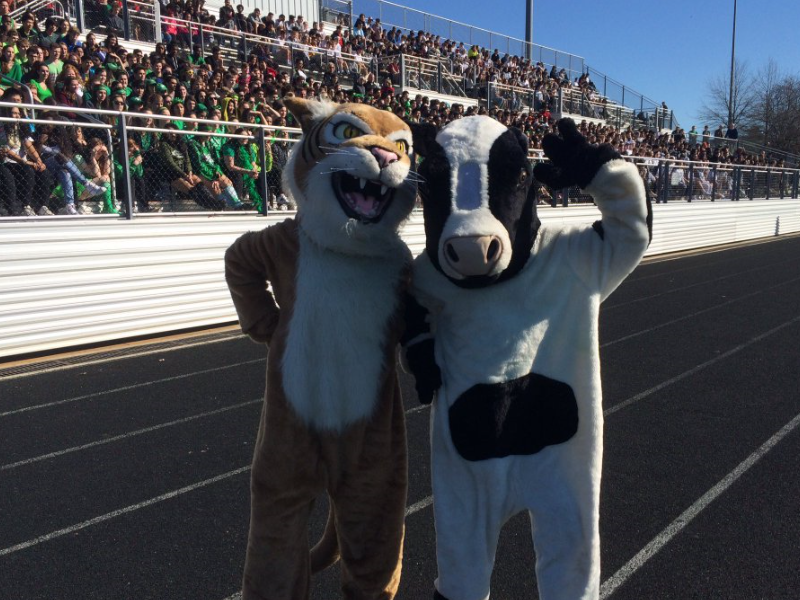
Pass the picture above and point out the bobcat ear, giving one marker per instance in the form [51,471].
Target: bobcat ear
[424,136]
[305,111]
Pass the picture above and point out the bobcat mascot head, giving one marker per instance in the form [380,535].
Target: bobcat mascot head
[350,175]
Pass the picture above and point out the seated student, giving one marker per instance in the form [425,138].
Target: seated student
[10,67]
[58,147]
[241,163]
[18,166]
[175,168]
[39,82]
[211,174]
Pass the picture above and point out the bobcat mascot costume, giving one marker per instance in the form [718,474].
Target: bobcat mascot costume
[517,423]
[333,418]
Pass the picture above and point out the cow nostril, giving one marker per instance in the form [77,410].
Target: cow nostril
[492,251]
[451,253]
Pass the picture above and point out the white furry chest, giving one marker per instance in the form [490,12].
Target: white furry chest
[543,320]
[336,347]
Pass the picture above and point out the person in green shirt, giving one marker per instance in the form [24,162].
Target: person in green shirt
[9,67]
[211,173]
[54,62]
[241,162]
[40,80]
[177,110]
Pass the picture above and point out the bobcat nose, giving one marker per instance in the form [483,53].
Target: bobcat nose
[472,256]
[384,157]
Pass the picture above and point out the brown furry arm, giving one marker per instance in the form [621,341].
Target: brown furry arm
[248,266]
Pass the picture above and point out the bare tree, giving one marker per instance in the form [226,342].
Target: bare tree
[765,115]
[784,134]
[766,106]
[717,105]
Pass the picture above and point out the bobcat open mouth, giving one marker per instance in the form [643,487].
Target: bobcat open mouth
[360,198]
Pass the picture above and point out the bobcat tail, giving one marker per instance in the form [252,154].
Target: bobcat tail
[326,552]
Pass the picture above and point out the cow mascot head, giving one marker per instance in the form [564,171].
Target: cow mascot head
[480,212]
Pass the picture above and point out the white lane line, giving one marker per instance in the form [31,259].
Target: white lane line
[697,313]
[128,509]
[98,361]
[424,503]
[659,259]
[619,406]
[127,388]
[694,285]
[417,409]
[662,539]
[124,436]
[418,506]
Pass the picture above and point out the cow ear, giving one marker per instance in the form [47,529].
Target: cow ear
[424,137]
[521,138]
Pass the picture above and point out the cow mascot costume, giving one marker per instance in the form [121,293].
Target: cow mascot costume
[333,417]
[509,346]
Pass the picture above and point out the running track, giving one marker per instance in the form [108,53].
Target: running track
[124,473]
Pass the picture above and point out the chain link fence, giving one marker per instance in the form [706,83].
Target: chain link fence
[189,166]
[70,161]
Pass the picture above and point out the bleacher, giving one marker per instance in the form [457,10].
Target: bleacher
[434,88]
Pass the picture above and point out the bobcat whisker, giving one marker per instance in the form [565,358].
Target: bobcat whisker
[336,170]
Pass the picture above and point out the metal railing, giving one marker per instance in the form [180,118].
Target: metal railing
[43,9]
[147,153]
[418,73]
[619,93]
[338,12]
[689,181]
[396,15]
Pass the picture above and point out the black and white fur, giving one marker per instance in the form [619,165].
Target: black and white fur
[513,309]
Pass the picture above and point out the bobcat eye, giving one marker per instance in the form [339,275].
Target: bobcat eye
[347,131]
[402,146]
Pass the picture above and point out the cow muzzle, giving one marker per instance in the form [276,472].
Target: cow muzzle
[473,256]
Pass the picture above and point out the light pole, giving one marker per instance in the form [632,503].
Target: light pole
[529,30]
[733,68]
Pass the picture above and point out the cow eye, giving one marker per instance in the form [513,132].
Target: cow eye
[523,177]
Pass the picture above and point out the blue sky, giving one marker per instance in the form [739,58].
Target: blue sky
[666,50]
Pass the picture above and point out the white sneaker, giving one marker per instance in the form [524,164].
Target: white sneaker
[69,209]
[27,211]
[85,210]
[45,212]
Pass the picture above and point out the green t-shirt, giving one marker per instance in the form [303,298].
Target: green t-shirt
[41,90]
[14,74]
[56,67]
[203,161]
[241,153]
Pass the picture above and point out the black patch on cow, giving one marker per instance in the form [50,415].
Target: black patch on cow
[513,418]
[598,229]
[434,186]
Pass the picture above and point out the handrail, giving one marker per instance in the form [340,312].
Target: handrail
[35,5]
[118,113]
[15,83]
[582,59]
[60,123]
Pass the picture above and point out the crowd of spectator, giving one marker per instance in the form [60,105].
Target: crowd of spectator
[204,73]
